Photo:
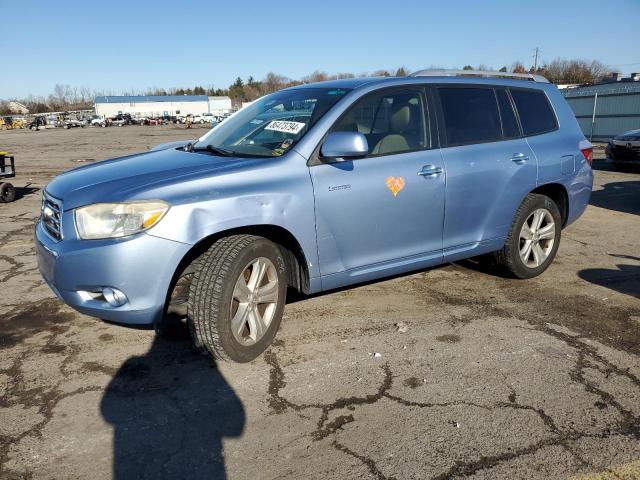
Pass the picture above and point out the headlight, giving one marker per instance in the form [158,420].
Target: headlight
[110,220]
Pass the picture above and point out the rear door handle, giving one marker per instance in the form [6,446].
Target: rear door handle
[519,158]
[430,171]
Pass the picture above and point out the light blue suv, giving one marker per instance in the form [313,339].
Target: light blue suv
[317,187]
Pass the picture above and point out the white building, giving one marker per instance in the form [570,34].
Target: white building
[161,105]
[219,105]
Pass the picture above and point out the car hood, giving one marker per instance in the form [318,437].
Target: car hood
[625,135]
[135,176]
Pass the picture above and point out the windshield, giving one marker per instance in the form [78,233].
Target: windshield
[271,125]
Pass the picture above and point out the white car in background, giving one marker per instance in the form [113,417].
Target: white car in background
[98,121]
[204,118]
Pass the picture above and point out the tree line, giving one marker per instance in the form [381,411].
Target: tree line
[66,97]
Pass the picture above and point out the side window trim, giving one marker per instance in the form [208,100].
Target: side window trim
[513,110]
[427,112]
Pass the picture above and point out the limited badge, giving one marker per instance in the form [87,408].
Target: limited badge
[395,184]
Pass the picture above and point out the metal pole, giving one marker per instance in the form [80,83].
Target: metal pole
[593,115]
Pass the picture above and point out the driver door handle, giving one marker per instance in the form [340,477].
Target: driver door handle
[430,171]
[519,158]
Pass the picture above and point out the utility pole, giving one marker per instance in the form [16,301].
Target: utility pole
[535,59]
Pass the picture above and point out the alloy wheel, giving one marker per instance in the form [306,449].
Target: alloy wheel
[254,302]
[537,236]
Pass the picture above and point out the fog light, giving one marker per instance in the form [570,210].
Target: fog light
[114,297]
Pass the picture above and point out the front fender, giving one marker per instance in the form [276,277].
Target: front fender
[286,201]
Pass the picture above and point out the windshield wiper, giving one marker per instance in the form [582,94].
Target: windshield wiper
[210,148]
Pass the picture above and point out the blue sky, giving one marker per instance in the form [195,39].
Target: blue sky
[125,45]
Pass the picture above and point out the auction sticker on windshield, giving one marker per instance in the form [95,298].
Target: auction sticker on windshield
[285,126]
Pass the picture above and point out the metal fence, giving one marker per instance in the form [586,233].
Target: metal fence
[604,111]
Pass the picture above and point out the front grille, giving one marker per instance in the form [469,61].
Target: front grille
[51,215]
[621,152]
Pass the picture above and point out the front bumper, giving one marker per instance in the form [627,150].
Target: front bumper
[141,266]
[623,152]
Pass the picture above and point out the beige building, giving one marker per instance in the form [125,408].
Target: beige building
[17,108]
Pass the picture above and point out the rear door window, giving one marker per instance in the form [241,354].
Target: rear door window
[534,110]
[510,127]
[470,115]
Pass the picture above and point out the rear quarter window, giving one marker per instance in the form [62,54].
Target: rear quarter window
[534,110]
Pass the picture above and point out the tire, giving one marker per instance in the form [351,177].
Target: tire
[215,290]
[7,193]
[528,260]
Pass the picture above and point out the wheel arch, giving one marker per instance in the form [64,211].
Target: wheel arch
[558,193]
[296,261]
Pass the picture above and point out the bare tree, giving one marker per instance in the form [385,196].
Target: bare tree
[518,67]
[273,82]
[316,76]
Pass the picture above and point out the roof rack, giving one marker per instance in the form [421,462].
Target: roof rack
[478,73]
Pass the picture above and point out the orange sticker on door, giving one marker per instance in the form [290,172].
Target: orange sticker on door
[395,184]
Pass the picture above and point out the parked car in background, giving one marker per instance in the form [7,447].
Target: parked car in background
[624,148]
[38,123]
[314,188]
[209,118]
[68,123]
[97,121]
[167,119]
[204,118]
[120,120]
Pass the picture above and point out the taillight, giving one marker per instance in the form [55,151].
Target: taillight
[587,150]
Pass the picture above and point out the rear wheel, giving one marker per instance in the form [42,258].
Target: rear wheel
[534,238]
[237,297]
[7,193]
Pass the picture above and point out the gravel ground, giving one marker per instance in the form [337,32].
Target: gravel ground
[489,377]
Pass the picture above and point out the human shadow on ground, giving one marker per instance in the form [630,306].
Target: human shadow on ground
[170,410]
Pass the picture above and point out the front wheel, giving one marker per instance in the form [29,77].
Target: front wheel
[237,297]
[534,238]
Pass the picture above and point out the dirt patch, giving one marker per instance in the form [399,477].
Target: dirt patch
[100,368]
[413,382]
[53,348]
[34,318]
[449,338]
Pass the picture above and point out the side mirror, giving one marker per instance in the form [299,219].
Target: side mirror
[339,145]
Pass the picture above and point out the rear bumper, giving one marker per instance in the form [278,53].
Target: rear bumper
[579,191]
[140,266]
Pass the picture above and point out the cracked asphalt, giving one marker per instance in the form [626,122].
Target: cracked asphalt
[493,378]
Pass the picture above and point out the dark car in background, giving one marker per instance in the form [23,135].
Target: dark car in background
[624,148]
